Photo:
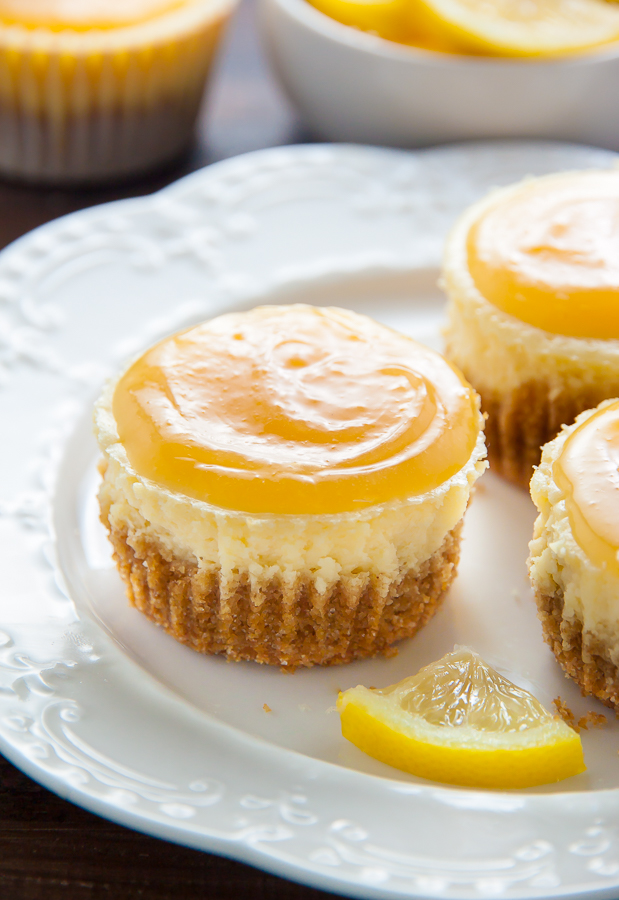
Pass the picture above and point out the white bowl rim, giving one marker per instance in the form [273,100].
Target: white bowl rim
[309,17]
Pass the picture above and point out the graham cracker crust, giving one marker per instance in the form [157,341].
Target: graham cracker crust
[276,623]
[596,674]
[522,421]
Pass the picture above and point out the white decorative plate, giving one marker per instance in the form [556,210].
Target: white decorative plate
[106,710]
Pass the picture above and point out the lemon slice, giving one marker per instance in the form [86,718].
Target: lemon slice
[517,27]
[387,18]
[460,722]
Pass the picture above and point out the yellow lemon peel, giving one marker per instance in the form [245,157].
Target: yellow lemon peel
[385,18]
[394,20]
[459,721]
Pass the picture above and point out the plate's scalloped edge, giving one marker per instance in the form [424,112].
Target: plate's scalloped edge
[286,831]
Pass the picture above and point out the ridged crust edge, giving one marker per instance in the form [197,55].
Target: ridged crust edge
[521,421]
[277,623]
[582,657]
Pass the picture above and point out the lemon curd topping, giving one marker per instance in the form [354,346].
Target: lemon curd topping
[82,14]
[548,254]
[587,472]
[295,410]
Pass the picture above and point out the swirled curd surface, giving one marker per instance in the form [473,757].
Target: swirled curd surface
[548,254]
[295,410]
[587,471]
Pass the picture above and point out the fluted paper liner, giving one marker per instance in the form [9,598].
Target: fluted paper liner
[104,103]
[276,622]
[581,655]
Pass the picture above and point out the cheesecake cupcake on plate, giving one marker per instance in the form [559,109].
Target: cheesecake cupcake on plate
[98,89]
[574,554]
[287,485]
[532,276]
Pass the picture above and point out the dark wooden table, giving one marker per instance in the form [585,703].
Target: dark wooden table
[49,849]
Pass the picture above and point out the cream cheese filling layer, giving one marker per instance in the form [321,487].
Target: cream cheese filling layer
[502,351]
[384,540]
[590,592]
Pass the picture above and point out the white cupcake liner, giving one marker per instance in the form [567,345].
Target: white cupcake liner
[92,106]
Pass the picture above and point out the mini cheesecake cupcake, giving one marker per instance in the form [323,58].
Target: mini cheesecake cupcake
[287,485]
[532,276]
[574,554]
[100,89]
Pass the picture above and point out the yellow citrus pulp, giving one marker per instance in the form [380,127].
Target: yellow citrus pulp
[458,721]
[547,253]
[295,409]
[484,27]
[517,28]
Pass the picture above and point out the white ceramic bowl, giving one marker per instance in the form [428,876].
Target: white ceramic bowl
[353,86]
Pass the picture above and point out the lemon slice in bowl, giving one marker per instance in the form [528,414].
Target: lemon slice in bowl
[458,721]
[517,27]
[387,18]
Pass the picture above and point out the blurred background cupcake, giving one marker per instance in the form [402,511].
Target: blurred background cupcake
[411,73]
[101,89]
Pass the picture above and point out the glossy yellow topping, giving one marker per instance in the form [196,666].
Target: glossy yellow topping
[548,254]
[587,471]
[295,410]
[83,14]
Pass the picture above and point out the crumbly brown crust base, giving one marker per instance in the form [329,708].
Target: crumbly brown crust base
[287,625]
[582,657]
[522,421]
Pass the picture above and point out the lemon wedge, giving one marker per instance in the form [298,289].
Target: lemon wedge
[517,27]
[458,721]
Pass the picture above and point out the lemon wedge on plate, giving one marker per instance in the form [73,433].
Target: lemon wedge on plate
[460,722]
[517,27]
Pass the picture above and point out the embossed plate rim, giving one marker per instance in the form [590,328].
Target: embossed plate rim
[291,829]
